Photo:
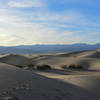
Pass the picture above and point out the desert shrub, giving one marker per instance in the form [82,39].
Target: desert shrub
[79,67]
[72,66]
[64,67]
[19,66]
[30,65]
[40,56]
[43,67]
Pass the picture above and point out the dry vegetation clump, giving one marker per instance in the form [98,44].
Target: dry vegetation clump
[72,66]
[64,66]
[40,55]
[19,66]
[43,67]
[30,65]
[79,67]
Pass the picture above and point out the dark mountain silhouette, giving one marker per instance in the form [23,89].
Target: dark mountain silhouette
[36,49]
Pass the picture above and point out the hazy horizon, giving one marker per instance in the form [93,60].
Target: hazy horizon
[49,44]
[30,22]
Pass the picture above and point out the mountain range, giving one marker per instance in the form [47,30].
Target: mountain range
[37,49]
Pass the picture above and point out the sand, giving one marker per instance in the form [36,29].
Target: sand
[55,84]
[90,60]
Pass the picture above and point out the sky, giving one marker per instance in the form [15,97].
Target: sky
[28,22]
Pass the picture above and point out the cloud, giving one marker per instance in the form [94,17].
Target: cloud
[17,30]
[36,26]
[26,3]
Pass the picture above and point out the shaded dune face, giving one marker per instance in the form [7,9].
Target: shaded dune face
[95,55]
[15,60]
[78,54]
[28,85]
[91,83]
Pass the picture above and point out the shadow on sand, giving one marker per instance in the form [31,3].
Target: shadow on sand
[27,85]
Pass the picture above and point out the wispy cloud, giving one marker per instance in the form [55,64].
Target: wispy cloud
[26,3]
[24,22]
[22,30]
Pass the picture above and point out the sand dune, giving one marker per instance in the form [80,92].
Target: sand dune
[18,84]
[88,59]
[15,60]
[55,84]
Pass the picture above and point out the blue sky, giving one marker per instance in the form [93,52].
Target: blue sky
[49,22]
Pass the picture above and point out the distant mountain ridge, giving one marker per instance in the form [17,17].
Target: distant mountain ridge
[37,49]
